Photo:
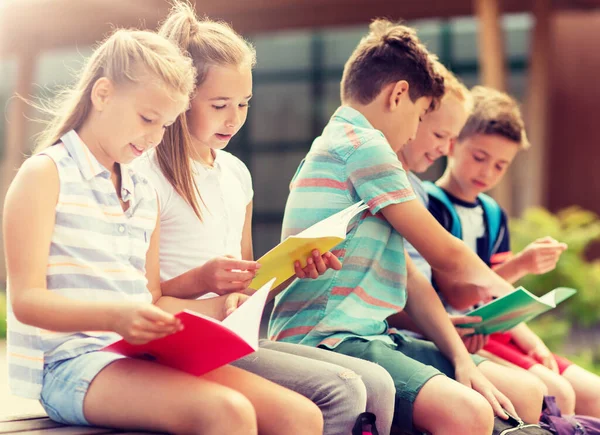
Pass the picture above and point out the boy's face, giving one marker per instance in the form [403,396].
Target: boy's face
[479,162]
[437,131]
[398,117]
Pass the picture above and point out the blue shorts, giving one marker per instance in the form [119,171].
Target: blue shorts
[66,383]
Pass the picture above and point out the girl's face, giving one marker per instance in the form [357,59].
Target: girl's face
[220,105]
[437,131]
[130,119]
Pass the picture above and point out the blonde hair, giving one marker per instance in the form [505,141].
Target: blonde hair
[495,113]
[208,43]
[388,53]
[454,87]
[123,57]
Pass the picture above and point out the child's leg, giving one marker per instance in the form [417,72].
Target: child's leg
[379,384]
[587,390]
[524,390]
[131,393]
[278,410]
[557,386]
[443,406]
[135,394]
[423,394]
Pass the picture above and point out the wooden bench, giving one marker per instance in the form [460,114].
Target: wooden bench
[42,425]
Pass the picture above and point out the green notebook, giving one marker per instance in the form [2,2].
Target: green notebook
[516,307]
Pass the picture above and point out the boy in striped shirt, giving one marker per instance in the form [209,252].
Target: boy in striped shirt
[389,82]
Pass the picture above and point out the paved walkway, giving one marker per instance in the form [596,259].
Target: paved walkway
[12,405]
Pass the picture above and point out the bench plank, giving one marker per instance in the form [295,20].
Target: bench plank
[41,425]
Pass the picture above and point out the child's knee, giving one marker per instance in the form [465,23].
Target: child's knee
[304,417]
[346,392]
[445,406]
[233,413]
[528,397]
[472,414]
[560,388]
[380,385]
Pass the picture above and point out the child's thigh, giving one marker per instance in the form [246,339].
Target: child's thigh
[376,379]
[409,375]
[427,353]
[107,390]
[292,366]
[277,408]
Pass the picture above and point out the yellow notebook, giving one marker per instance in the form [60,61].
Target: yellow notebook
[278,263]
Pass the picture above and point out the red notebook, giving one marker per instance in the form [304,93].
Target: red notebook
[204,344]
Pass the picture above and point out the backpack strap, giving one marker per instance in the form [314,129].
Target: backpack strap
[493,217]
[439,194]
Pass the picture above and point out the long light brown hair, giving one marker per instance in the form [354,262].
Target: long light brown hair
[124,56]
[208,43]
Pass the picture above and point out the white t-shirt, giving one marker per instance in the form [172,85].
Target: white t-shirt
[186,242]
[472,223]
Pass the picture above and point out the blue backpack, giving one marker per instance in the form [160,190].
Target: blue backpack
[491,211]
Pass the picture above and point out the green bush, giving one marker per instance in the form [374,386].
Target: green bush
[2,314]
[579,229]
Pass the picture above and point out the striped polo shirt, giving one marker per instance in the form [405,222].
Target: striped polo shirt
[97,253]
[349,162]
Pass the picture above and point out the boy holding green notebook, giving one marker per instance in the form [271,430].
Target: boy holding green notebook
[491,138]
[388,84]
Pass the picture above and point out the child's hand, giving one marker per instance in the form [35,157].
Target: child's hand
[232,302]
[317,265]
[141,323]
[542,354]
[473,343]
[541,256]
[223,275]
[468,374]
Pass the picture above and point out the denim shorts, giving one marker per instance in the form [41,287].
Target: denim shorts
[66,383]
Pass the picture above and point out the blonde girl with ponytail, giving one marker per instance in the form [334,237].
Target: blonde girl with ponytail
[81,241]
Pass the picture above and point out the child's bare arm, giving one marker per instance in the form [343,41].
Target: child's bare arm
[444,252]
[458,294]
[29,219]
[533,345]
[537,258]
[426,310]
[428,314]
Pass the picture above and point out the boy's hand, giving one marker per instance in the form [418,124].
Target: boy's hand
[317,265]
[232,302]
[542,354]
[469,375]
[141,323]
[224,275]
[473,343]
[541,256]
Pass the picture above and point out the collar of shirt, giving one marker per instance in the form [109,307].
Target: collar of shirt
[90,167]
[203,171]
[349,115]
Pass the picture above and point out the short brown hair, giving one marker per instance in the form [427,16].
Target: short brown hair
[389,53]
[495,113]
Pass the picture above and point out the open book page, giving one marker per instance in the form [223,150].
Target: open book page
[245,321]
[517,307]
[557,295]
[324,235]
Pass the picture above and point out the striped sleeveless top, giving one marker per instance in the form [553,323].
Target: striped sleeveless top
[97,252]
